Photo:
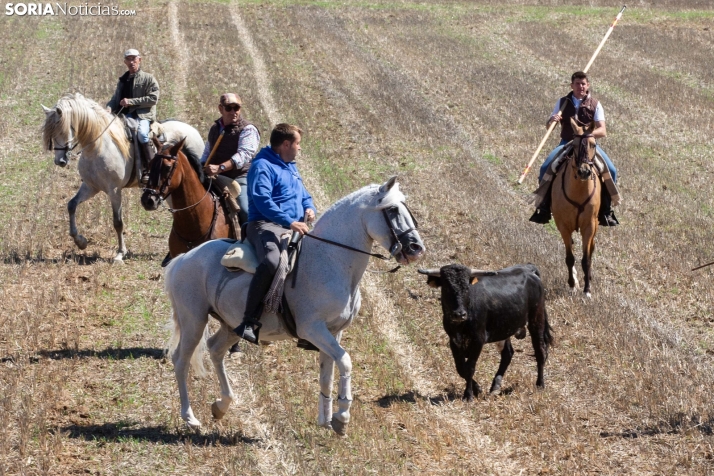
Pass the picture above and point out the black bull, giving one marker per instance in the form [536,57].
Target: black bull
[483,307]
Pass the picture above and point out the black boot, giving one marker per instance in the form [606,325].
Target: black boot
[542,214]
[259,286]
[146,156]
[606,217]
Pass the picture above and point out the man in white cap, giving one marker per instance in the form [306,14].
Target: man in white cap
[137,93]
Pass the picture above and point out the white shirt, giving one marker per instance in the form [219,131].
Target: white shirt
[599,111]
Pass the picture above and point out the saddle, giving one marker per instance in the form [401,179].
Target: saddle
[241,256]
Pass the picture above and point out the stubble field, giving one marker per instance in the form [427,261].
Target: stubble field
[450,95]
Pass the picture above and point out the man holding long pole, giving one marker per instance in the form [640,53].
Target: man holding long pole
[585,109]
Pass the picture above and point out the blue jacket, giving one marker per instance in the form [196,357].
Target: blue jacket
[275,190]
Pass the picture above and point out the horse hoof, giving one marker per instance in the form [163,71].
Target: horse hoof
[588,295]
[495,392]
[193,424]
[339,427]
[81,242]
[119,259]
[217,412]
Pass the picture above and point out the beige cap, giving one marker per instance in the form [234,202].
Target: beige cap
[132,52]
[230,98]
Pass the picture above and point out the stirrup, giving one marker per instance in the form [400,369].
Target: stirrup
[144,180]
[608,219]
[541,216]
[249,330]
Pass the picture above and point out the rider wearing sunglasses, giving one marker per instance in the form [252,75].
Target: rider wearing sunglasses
[235,150]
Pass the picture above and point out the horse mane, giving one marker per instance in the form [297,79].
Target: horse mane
[365,195]
[88,119]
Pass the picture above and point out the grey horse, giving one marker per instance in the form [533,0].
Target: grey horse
[107,160]
[324,301]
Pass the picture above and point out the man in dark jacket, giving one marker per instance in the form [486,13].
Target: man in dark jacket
[235,151]
[586,109]
[137,92]
[278,202]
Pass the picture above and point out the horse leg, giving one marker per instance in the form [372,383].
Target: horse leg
[329,345]
[588,250]
[567,236]
[218,344]
[182,357]
[115,199]
[506,355]
[84,193]
[327,372]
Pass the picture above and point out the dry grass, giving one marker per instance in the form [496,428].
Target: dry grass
[450,95]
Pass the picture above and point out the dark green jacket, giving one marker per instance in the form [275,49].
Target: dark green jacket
[145,95]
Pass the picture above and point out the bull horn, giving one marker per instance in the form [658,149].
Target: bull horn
[46,109]
[430,272]
[476,273]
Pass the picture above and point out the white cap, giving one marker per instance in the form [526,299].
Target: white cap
[132,52]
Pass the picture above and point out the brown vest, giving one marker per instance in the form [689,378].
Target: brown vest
[228,146]
[586,114]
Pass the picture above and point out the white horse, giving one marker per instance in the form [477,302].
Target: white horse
[324,301]
[106,163]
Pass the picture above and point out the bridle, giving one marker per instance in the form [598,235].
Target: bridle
[389,214]
[68,150]
[166,183]
[577,161]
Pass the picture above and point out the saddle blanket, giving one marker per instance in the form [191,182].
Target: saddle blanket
[540,193]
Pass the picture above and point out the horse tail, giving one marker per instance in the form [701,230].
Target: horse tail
[174,324]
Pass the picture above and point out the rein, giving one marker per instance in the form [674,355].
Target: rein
[397,246]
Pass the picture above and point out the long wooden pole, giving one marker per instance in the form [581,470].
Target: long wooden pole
[562,106]
[215,147]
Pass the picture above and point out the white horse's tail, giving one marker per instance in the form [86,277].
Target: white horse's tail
[174,325]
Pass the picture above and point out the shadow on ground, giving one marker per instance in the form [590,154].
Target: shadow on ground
[120,433]
[112,354]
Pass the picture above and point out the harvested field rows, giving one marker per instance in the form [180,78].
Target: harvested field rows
[452,97]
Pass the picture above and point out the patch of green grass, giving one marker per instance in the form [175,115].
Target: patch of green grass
[492,158]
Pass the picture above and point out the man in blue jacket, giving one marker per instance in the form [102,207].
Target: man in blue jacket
[277,202]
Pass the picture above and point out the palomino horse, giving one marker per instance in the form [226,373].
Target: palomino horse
[106,163]
[324,300]
[576,201]
[198,217]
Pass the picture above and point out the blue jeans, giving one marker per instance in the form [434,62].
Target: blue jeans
[243,199]
[144,126]
[556,151]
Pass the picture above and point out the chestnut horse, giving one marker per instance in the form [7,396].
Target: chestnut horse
[198,215]
[576,201]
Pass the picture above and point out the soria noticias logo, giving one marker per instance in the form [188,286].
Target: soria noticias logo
[82,9]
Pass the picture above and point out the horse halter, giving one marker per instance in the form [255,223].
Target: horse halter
[581,156]
[154,175]
[391,215]
[160,190]
[67,149]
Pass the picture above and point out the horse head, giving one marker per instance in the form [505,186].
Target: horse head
[392,224]
[58,134]
[583,149]
[164,176]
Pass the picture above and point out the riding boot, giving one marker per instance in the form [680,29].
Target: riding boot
[233,211]
[259,286]
[542,214]
[606,217]
[145,153]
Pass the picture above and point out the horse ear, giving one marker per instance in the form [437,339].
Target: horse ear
[176,147]
[157,144]
[590,127]
[388,186]
[576,126]
[46,109]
